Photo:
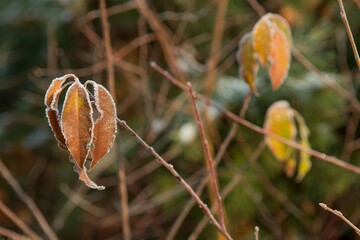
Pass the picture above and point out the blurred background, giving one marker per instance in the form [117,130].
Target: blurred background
[44,39]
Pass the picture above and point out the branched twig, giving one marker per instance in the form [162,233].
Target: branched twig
[19,222]
[208,157]
[228,188]
[28,201]
[340,215]
[230,135]
[255,128]
[348,30]
[111,83]
[171,169]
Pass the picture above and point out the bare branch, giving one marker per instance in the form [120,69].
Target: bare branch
[209,158]
[348,30]
[11,234]
[18,221]
[27,200]
[171,169]
[255,128]
[340,215]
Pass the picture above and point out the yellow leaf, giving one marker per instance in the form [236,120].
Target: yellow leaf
[247,61]
[280,121]
[279,58]
[304,165]
[262,39]
[282,24]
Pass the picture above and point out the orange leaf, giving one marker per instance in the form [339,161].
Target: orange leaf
[105,124]
[280,121]
[53,119]
[52,113]
[262,39]
[279,58]
[289,167]
[77,123]
[247,61]
[55,85]
[282,24]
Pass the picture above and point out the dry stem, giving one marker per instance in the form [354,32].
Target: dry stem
[255,128]
[28,201]
[19,222]
[218,34]
[230,135]
[171,169]
[257,7]
[209,158]
[340,215]
[163,36]
[348,30]
[111,83]
[11,234]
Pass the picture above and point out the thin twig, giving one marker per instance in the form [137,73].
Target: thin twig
[225,192]
[111,82]
[83,203]
[230,186]
[124,7]
[255,128]
[340,215]
[208,157]
[348,30]
[27,200]
[218,34]
[350,135]
[256,233]
[171,169]
[257,7]
[326,80]
[108,49]
[18,221]
[164,37]
[11,234]
[222,149]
